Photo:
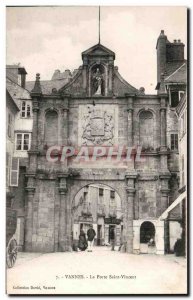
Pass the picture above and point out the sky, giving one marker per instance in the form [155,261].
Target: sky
[43,39]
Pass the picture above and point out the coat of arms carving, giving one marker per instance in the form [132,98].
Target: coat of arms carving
[98,127]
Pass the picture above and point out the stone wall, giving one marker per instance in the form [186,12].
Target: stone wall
[142,186]
[45,216]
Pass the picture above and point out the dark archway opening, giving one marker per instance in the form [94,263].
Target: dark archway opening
[147,232]
[100,206]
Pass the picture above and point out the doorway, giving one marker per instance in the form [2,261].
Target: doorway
[99,235]
[110,228]
[147,237]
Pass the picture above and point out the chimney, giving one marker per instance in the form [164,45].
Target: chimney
[22,76]
[67,73]
[175,51]
[161,54]
[17,74]
[56,75]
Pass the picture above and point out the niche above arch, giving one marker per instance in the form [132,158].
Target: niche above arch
[98,80]
[146,130]
[51,128]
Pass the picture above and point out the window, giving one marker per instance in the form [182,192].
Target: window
[9,129]
[23,141]
[174,141]
[14,171]
[112,194]
[7,168]
[174,99]
[25,110]
[101,192]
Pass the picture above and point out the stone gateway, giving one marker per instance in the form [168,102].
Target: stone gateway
[97,107]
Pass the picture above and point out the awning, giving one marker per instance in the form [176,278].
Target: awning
[164,215]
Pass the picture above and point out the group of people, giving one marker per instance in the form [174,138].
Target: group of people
[87,243]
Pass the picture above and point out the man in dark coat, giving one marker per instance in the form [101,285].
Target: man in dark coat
[112,238]
[91,235]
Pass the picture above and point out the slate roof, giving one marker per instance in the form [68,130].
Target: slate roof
[178,76]
[16,91]
[9,98]
[47,85]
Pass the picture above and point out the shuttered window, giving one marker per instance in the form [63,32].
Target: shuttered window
[7,168]
[9,128]
[14,171]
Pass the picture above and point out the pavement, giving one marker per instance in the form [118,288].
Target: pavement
[99,272]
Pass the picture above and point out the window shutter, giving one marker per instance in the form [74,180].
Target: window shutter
[7,168]
[14,176]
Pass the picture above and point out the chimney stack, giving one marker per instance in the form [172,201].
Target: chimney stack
[161,54]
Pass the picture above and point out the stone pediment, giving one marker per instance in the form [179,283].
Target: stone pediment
[98,50]
[120,86]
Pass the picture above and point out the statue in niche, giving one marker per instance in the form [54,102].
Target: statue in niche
[97,82]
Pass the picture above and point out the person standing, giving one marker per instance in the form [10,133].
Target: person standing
[112,238]
[91,235]
[82,243]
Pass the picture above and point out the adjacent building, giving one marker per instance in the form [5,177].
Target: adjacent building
[100,206]
[174,69]
[19,130]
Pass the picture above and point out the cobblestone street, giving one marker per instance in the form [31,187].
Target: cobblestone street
[99,272]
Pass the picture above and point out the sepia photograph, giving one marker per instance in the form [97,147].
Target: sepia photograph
[96,150]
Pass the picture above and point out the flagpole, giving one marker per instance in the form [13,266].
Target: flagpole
[99,24]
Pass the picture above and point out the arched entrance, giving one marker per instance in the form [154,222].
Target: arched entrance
[101,206]
[147,237]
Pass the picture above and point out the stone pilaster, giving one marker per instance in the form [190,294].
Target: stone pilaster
[110,79]
[34,140]
[129,216]
[64,128]
[164,192]
[130,141]
[33,152]
[84,74]
[64,217]
[163,128]
[30,189]
[163,132]
[130,122]
[163,96]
